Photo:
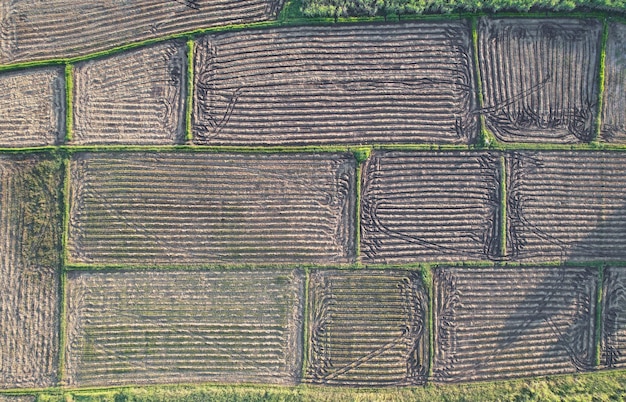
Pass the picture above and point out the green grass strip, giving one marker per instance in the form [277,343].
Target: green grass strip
[403,266]
[291,16]
[361,155]
[485,139]
[598,334]
[305,324]
[190,86]
[503,206]
[592,147]
[601,80]
[69,102]
[62,325]
[65,209]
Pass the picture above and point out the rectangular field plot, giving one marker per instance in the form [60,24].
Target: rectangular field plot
[540,78]
[614,318]
[566,206]
[430,206]
[352,84]
[32,107]
[613,113]
[192,326]
[30,237]
[135,97]
[66,28]
[186,208]
[504,322]
[367,328]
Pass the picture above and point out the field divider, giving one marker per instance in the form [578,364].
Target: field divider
[190,89]
[65,209]
[69,102]
[69,266]
[598,317]
[314,148]
[503,224]
[429,284]
[300,21]
[601,79]
[485,139]
[361,155]
[305,325]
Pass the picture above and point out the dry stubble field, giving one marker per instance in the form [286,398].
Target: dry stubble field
[398,267]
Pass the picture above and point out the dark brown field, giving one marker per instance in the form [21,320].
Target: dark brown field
[30,235]
[566,206]
[32,107]
[172,326]
[136,97]
[197,208]
[430,206]
[505,322]
[367,328]
[613,115]
[540,78]
[352,84]
[66,28]
[614,317]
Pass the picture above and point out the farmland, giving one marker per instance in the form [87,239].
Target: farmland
[540,78]
[211,208]
[30,233]
[613,119]
[430,206]
[614,321]
[566,206]
[64,28]
[131,98]
[335,85]
[501,322]
[147,327]
[367,328]
[310,209]
[38,117]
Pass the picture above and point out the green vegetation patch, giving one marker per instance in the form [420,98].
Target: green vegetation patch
[391,8]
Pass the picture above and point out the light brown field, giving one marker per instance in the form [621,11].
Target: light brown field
[30,233]
[195,326]
[32,107]
[65,28]
[199,208]
[367,328]
[135,97]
